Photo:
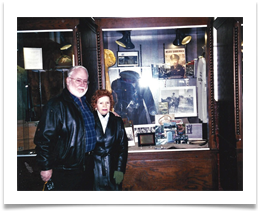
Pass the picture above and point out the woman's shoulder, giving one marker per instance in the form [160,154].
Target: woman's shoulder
[115,116]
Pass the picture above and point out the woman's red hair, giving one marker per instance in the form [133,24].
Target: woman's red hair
[101,93]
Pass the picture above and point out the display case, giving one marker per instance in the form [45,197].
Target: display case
[166,74]
[171,156]
[43,59]
[46,49]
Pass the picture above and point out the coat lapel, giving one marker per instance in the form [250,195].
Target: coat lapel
[109,124]
[98,123]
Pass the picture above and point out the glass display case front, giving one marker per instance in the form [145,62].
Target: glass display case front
[165,89]
[43,59]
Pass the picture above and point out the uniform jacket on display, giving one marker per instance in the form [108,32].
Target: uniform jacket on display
[110,153]
[132,101]
[59,135]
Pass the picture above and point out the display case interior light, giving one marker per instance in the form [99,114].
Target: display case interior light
[186,40]
[65,47]
[181,38]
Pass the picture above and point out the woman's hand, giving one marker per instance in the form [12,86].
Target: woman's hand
[118,176]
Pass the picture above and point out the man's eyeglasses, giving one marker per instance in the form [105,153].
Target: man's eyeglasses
[78,81]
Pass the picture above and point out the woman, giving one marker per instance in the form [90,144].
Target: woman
[110,153]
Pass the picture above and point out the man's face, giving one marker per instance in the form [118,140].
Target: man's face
[77,82]
[175,62]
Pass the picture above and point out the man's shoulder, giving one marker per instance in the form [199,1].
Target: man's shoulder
[56,100]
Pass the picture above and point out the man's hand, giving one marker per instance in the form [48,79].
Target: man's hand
[116,114]
[46,175]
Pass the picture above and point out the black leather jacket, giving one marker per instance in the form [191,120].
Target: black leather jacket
[60,135]
[110,153]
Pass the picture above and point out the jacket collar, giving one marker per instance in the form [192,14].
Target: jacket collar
[66,95]
[98,123]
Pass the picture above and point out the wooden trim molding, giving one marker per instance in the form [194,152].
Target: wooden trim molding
[237,78]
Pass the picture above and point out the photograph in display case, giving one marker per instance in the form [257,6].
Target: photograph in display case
[176,59]
[181,137]
[163,108]
[128,59]
[194,131]
[160,71]
[146,139]
[181,100]
[130,136]
[148,128]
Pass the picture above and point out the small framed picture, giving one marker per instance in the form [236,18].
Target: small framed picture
[194,131]
[128,59]
[130,136]
[146,139]
[149,128]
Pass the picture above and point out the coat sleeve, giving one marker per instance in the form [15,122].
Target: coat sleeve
[46,136]
[123,147]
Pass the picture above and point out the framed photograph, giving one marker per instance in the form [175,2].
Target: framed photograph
[130,136]
[128,59]
[33,58]
[160,71]
[177,60]
[181,100]
[148,128]
[194,131]
[163,108]
[146,139]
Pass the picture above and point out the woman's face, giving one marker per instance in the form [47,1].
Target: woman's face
[103,105]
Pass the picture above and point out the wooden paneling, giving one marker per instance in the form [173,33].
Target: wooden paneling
[157,171]
[25,135]
[46,23]
[229,103]
[150,171]
[108,23]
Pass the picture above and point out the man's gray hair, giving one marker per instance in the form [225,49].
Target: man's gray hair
[77,67]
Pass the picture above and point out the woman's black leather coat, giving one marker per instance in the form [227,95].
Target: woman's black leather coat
[110,153]
[60,134]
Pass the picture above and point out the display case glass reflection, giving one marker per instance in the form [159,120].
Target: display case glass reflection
[43,59]
[170,80]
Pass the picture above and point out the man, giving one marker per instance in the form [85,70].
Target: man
[175,102]
[177,70]
[65,136]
